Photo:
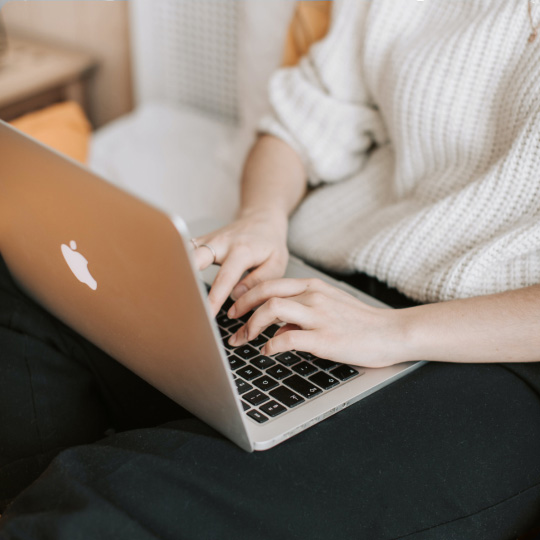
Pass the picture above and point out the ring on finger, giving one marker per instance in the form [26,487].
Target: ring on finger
[212,250]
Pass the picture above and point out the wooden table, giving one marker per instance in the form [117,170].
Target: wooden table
[34,75]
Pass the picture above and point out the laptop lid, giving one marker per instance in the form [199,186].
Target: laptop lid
[116,270]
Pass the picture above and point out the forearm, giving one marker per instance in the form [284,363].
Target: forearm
[274,179]
[496,328]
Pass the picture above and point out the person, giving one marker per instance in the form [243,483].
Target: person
[405,146]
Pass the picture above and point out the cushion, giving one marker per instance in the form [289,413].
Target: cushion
[63,127]
[310,23]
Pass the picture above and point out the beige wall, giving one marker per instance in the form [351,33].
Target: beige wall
[98,27]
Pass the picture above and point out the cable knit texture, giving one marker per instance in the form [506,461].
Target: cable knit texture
[419,126]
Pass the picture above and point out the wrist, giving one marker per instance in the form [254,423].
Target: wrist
[417,334]
[405,327]
[274,216]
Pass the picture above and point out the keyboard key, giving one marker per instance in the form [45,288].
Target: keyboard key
[265,383]
[249,373]
[287,359]
[271,330]
[325,365]
[286,396]
[224,322]
[259,341]
[272,408]
[324,380]
[306,388]
[227,305]
[258,416]
[279,372]
[242,386]
[235,362]
[246,406]
[246,352]
[234,328]
[306,355]
[245,318]
[344,372]
[224,333]
[255,397]
[304,369]
[262,362]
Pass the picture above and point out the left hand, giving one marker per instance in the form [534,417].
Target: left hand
[322,320]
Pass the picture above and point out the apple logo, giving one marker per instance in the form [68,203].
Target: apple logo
[78,265]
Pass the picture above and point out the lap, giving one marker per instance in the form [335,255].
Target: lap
[448,452]
[58,390]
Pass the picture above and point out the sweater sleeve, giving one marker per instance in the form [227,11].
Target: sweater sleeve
[322,107]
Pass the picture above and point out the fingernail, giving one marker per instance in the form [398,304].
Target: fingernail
[233,339]
[239,291]
[232,312]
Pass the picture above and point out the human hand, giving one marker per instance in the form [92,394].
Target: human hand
[254,242]
[322,320]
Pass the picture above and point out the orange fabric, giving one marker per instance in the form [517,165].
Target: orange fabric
[63,127]
[310,24]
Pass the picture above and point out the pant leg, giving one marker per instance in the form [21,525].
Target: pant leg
[57,390]
[449,452]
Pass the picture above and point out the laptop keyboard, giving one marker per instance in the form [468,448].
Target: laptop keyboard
[269,386]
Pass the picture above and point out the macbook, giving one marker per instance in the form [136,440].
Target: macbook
[121,273]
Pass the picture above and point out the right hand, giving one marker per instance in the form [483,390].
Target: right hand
[253,242]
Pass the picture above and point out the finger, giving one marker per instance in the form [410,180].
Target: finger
[228,276]
[272,268]
[292,340]
[261,293]
[276,310]
[287,328]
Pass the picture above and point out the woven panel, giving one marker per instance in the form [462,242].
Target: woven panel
[196,45]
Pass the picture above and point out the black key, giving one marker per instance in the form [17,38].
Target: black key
[326,365]
[287,359]
[227,305]
[242,386]
[265,383]
[224,321]
[302,386]
[273,408]
[324,380]
[224,333]
[259,341]
[255,397]
[306,355]
[246,352]
[344,372]
[257,416]
[245,318]
[262,362]
[249,373]
[286,396]
[234,328]
[271,330]
[279,372]
[235,362]
[246,406]
[304,369]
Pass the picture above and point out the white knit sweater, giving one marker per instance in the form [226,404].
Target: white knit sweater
[419,125]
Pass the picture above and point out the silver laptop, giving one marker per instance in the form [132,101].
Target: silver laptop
[121,273]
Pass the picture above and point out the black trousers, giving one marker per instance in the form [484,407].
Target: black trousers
[89,451]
